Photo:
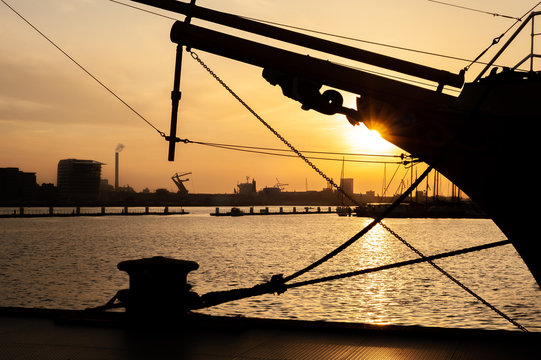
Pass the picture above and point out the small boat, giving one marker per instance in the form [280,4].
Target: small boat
[235,211]
[344,210]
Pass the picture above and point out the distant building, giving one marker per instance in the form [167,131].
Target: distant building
[347,185]
[420,196]
[16,185]
[369,196]
[247,188]
[47,192]
[79,180]
[271,191]
[105,186]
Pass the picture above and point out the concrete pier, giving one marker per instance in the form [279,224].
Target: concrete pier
[57,334]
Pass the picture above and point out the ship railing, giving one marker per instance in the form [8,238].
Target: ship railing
[531,56]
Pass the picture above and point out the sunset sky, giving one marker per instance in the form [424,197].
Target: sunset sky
[51,110]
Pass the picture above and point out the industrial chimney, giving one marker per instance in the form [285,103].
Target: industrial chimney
[118,149]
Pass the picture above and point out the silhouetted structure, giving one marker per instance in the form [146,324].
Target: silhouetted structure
[247,188]
[116,171]
[347,185]
[16,185]
[79,180]
[459,136]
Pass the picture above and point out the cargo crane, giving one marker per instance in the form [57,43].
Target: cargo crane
[179,182]
[279,185]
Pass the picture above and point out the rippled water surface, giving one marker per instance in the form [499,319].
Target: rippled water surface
[71,263]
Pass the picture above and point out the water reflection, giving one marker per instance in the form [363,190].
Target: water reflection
[71,263]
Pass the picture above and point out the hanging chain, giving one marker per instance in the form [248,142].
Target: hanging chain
[456,281]
[267,125]
[377,220]
[288,144]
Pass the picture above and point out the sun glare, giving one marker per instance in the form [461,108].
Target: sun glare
[361,139]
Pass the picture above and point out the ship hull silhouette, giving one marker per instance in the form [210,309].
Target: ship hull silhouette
[482,140]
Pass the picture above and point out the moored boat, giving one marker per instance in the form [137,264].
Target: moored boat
[440,129]
[466,138]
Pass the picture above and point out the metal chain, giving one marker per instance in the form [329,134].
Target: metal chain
[287,143]
[333,184]
[377,220]
[456,281]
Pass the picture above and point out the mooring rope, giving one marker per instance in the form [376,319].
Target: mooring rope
[278,282]
[398,264]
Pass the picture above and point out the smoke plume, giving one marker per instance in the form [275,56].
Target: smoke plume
[119,148]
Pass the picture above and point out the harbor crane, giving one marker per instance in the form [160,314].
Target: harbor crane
[179,182]
[279,185]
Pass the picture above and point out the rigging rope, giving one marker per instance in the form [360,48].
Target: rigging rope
[401,156]
[476,10]
[497,39]
[428,259]
[398,264]
[83,68]
[388,185]
[267,151]
[299,154]
[312,31]
[267,125]
[278,281]
[338,37]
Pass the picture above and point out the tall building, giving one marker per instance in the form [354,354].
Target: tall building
[79,180]
[347,185]
[17,185]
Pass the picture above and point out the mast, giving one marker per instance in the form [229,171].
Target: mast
[342,180]
[441,77]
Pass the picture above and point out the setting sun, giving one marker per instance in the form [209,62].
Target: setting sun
[360,138]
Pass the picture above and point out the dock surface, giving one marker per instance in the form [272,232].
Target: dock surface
[54,335]
[265,211]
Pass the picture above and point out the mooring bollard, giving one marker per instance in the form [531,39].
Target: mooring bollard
[158,287]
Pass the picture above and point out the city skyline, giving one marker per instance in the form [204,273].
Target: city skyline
[432,187]
[51,110]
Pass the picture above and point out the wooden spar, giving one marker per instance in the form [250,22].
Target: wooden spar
[441,77]
[175,100]
[325,72]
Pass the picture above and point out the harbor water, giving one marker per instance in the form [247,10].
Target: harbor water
[70,263]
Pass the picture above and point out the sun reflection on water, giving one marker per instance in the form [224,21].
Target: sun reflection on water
[76,267]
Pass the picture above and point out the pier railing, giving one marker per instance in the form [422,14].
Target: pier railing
[89,211]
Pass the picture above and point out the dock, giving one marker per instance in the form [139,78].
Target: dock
[265,211]
[25,212]
[75,335]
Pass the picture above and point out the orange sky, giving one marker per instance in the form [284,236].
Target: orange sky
[51,110]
